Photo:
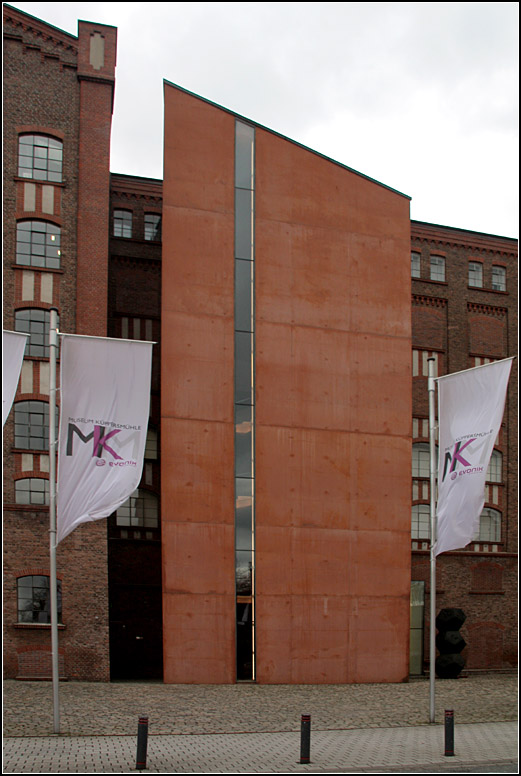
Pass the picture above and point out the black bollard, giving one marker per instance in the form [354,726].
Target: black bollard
[449,733]
[142,737]
[305,736]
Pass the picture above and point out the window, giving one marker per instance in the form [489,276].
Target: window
[438,268]
[475,274]
[420,523]
[152,226]
[140,510]
[499,279]
[415,265]
[420,460]
[34,599]
[494,471]
[40,158]
[151,444]
[32,490]
[122,223]
[31,425]
[36,323]
[38,244]
[489,526]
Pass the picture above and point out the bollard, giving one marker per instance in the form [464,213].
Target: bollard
[305,736]
[142,736]
[449,733]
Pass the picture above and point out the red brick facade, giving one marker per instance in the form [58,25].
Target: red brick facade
[468,325]
[59,86]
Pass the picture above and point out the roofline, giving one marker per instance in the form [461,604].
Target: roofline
[284,137]
[134,177]
[462,229]
[41,21]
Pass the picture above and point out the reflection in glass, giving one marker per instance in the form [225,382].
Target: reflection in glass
[243,572]
[244,224]
[244,160]
[243,368]
[243,514]
[243,295]
[243,441]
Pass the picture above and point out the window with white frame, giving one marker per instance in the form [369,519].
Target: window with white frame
[38,244]
[476,274]
[438,268]
[122,223]
[495,467]
[489,526]
[499,278]
[420,522]
[34,599]
[40,157]
[420,460]
[32,491]
[415,265]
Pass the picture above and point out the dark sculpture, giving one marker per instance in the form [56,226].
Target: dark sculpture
[450,643]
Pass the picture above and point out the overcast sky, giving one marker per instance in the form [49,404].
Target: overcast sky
[420,96]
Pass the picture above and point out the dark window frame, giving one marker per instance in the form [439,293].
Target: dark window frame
[44,161]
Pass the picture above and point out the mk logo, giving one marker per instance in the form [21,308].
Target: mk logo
[456,456]
[98,436]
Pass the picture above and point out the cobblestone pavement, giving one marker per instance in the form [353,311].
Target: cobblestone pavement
[417,749]
[108,709]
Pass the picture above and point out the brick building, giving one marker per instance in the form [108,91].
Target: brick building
[58,94]
[464,312]
[164,587]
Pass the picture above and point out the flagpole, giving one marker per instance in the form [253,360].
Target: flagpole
[53,347]
[432,460]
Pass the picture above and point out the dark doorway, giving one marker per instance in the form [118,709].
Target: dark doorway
[135,609]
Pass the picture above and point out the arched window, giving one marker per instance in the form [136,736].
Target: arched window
[489,526]
[34,599]
[141,510]
[495,467]
[38,244]
[40,157]
[31,425]
[420,460]
[420,523]
[36,323]
[32,491]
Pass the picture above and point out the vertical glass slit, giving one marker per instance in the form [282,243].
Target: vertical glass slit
[244,400]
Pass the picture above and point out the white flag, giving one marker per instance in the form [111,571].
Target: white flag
[12,357]
[105,400]
[470,409]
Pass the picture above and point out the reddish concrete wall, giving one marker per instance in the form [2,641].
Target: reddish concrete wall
[332,317]
[197,357]
[332,512]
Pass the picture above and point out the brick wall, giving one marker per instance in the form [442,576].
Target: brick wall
[42,95]
[465,323]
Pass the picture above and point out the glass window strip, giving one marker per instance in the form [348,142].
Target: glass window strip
[244,399]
